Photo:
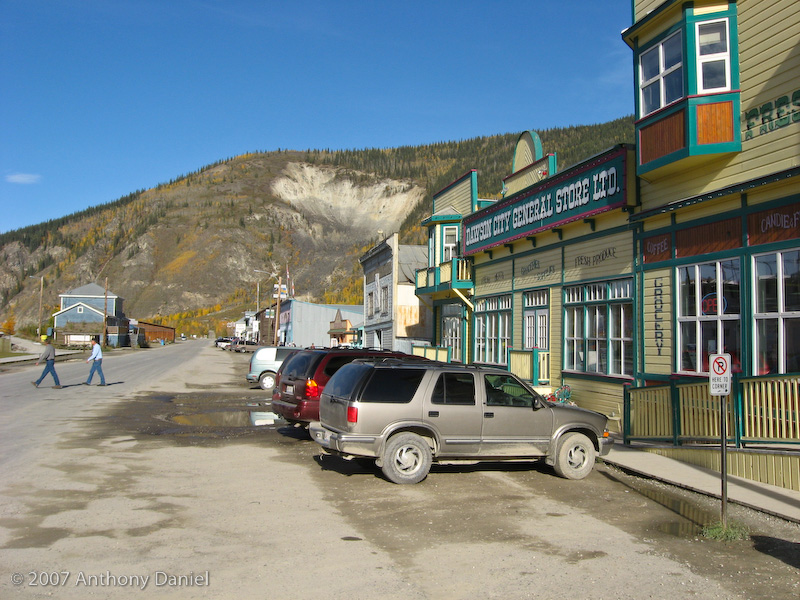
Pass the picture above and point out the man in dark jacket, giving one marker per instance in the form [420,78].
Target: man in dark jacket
[49,356]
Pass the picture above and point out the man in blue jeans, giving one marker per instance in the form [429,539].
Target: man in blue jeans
[49,356]
[96,358]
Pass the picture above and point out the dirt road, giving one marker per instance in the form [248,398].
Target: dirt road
[170,490]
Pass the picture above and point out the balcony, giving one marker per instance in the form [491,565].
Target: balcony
[453,274]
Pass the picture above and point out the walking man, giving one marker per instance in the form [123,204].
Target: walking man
[96,358]
[49,356]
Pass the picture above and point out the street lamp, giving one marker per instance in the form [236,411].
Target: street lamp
[41,293]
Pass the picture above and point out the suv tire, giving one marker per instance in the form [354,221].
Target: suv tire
[267,381]
[406,458]
[575,458]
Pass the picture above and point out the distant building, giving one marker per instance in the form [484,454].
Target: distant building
[82,313]
[343,333]
[304,324]
[394,317]
[151,333]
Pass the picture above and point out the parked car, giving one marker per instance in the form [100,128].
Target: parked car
[302,379]
[407,415]
[265,362]
[222,342]
[243,346]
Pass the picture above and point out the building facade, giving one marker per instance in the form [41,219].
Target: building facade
[394,317]
[717,234]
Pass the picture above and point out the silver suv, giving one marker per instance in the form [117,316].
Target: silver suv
[407,415]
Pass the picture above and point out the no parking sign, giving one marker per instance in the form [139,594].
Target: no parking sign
[719,374]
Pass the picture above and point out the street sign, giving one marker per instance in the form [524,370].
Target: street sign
[719,374]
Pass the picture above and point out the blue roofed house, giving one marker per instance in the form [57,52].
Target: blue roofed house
[81,317]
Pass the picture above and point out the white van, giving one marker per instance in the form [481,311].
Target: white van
[265,362]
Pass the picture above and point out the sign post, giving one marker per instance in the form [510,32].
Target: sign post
[719,383]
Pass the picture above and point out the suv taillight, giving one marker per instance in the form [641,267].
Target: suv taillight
[352,414]
[313,390]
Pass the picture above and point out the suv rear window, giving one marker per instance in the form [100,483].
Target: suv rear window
[394,386]
[302,365]
[346,380]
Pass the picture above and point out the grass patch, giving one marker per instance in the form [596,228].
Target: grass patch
[734,531]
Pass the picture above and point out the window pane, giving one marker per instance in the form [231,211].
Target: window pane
[627,322]
[766,346]
[673,86]
[649,63]
[651,97]
[569,359]
[672,52]
[712,38]
[628,349]
[731,333]
[730,287]
[715,75]
[688,347]
[766,284]
[791,280]
[708,341]
[792,337]
[708,289]
[688,306]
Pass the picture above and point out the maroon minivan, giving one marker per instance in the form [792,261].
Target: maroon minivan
[300,381]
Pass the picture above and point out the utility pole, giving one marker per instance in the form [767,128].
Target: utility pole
[277,312]
[105,317]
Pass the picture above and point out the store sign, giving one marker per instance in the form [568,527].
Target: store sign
[595,187]
[774,225]
[772,115]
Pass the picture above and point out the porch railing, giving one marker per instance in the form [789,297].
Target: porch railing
[533,365]
[763,410]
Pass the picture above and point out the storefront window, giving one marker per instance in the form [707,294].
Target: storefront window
[492,329]
[598,328]
[709,314]
[777,312]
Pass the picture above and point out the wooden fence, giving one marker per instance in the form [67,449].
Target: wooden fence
[763,410]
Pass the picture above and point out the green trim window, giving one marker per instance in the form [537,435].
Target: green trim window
[713,57]
[661,74]
[536,317]
[709,314]
[777,312]
[598,328]
[450,242]
[493,329]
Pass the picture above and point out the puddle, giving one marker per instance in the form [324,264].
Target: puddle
[695,518]
[227,418]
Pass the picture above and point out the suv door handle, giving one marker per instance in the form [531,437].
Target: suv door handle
[433,413]
[488,415]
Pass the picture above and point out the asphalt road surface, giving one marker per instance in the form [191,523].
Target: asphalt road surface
[160,483]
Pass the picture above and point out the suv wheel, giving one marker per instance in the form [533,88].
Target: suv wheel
[575,457]
[267,381]
[406,458]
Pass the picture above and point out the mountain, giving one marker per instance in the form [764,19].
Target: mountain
[188,252]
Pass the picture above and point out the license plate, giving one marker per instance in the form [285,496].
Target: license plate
[290,389]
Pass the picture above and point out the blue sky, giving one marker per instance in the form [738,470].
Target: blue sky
[103,97]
